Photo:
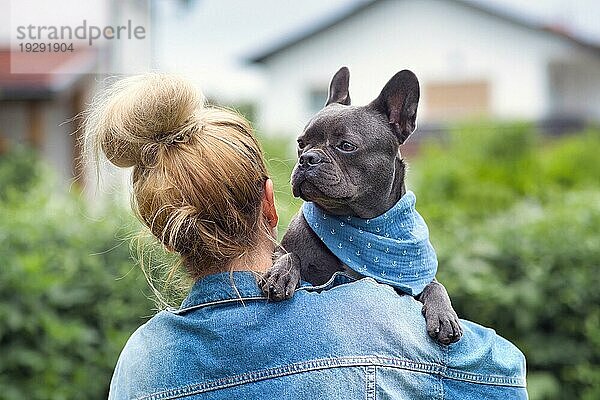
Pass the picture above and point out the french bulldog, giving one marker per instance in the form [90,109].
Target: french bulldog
[349,164]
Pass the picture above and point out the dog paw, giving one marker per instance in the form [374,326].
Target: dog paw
[442,324]
[280,281]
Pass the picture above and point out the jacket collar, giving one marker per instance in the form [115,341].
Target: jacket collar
[221,288]
[239,287]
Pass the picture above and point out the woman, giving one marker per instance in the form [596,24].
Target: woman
[201,186]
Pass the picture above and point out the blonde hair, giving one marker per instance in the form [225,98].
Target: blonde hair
[198,171]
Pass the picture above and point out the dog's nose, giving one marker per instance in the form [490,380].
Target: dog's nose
[311,159]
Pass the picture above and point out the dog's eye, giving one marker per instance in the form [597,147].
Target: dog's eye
[346,146]
[301,144]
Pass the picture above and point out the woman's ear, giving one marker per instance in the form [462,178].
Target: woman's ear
[268,204]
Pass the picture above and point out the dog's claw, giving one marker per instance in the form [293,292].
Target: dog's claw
[443,325]
[440,318]
[279,282]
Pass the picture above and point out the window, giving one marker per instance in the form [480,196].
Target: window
[456,100]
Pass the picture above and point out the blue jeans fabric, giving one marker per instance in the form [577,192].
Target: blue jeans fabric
[343,340]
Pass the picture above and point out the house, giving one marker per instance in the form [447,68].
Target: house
[35,108]
[43,93]
[472,61]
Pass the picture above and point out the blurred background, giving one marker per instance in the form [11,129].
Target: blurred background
[505,163]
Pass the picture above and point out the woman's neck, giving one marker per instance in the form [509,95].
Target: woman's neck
[257,259]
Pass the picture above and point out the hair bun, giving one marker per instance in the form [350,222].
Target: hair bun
[139,110]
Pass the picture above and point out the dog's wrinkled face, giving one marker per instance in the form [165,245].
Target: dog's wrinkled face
[348,157]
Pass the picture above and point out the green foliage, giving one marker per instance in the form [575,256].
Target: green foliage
[280,157]
[531,273]
[515,219]
[486,168]
[19,172]
[573,163]
[70,295]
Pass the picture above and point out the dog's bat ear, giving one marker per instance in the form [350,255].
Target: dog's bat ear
[338,88]
[398,101]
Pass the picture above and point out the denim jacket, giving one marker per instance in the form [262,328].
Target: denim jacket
[343,340]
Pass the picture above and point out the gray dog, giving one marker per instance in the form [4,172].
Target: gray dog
[349,164]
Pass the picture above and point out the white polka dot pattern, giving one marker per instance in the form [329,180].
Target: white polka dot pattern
[393,248]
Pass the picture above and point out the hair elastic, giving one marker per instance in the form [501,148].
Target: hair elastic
[181,134]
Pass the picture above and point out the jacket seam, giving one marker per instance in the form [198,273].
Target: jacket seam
[241,299]
[319,364]
[178,311]
[371,383]
[446,355]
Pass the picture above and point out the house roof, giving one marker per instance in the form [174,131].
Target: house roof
[357,8]
[41,76]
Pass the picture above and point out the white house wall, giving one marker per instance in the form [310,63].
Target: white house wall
[439,40]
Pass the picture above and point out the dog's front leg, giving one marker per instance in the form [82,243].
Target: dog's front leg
[280,281]
[441,319]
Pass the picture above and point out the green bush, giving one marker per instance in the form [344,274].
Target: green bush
[515,220]
[532,274]
[20,171]
[70,294]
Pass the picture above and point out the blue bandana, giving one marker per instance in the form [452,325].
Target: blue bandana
[392,248]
